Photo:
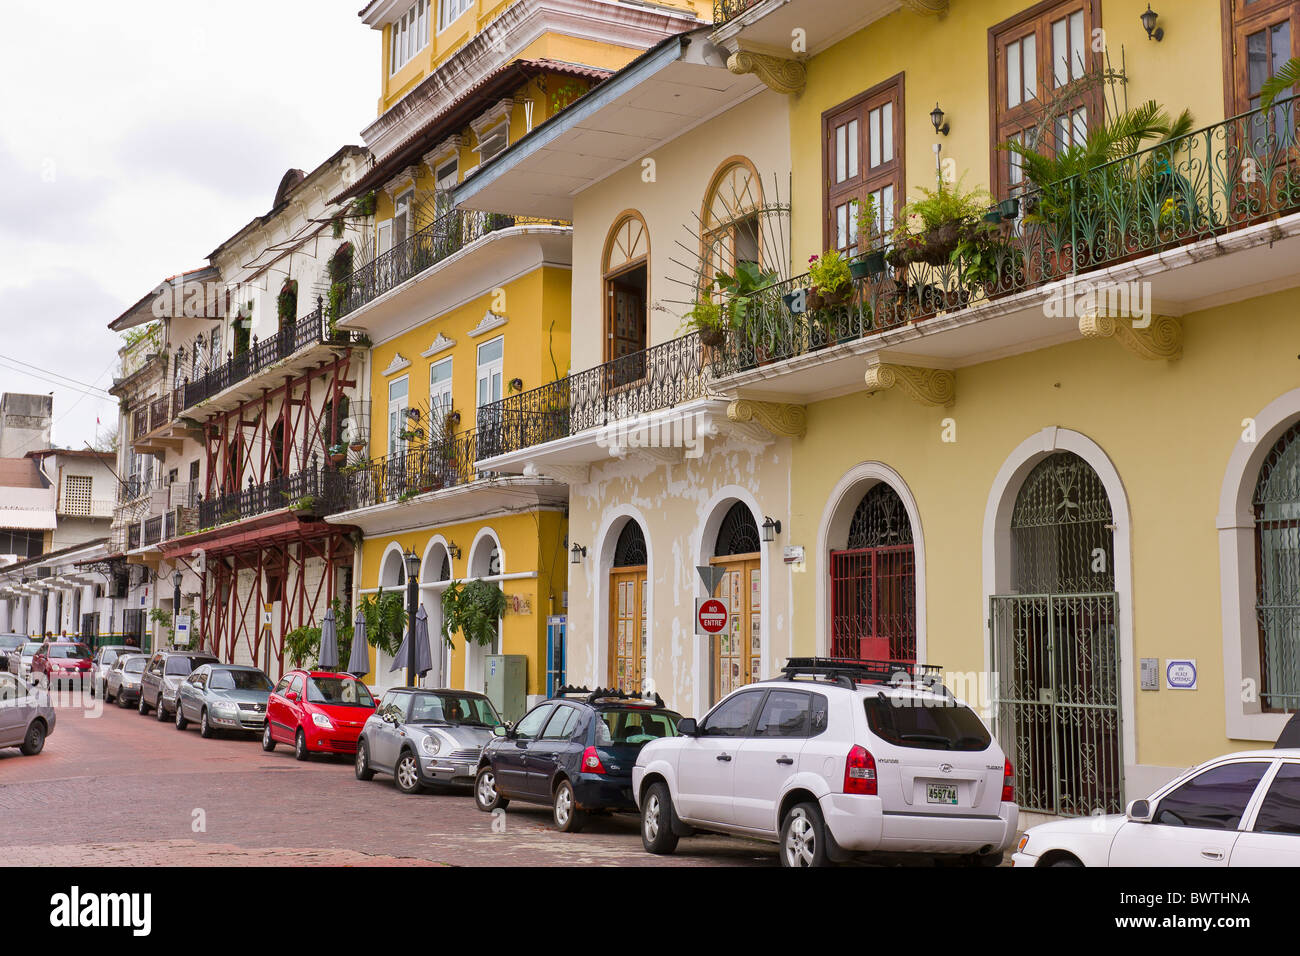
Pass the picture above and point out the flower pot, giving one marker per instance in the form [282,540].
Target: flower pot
[870,266]
[712,337]
[358,446]
[937,244]
[1009,208]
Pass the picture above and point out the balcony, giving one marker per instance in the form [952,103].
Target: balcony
[445,236]
[661,377]
[311,330]
[311,492]
[1150,230]
[417,470]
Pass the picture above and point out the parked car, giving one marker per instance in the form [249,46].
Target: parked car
[26,715]
[123,682]
[575,752]
[834,759]
[19,661]
[102,662]
[426,737]
[223,697]
[1242,809]
[317,712]
[164,673]
[8,643]
[58,662]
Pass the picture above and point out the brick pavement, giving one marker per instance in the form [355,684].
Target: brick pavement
[119,788]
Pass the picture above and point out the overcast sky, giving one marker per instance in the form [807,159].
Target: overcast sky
[137,135]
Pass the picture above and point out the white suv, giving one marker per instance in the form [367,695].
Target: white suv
[835,758]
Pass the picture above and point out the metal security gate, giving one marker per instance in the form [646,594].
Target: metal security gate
[1057,709]
[1056,644]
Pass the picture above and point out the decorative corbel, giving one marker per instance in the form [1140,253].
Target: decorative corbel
[1160,338]
[929,386]
[778,418]
[927,8]
[777,73]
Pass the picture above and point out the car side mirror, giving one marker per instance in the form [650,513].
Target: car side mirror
[686,727]
[291,696]
[1139,811]
[501,730]
[388,718]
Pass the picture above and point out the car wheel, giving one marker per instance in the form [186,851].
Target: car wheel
[122,701]
[268,742]
[300,751]
[181,722]
[362,767]
[159,710]
[564,810]
[108,698]
[1067,861]
[486,796]
[406,775]
[657,835]
[34,742]
[140,705]
[803,837]
[205,728]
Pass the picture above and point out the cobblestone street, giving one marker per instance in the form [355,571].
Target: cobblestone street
[121,789]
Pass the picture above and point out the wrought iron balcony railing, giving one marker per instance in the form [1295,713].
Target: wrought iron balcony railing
[418,469]
[315,491]
[1235,174]
[724,10]
[447,234]
[313,329]
[662,376]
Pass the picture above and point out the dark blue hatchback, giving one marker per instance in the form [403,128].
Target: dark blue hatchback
[575,752]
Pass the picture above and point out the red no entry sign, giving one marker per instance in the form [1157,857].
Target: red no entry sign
[711,616]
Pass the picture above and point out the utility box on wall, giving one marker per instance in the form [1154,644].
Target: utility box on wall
[506,684]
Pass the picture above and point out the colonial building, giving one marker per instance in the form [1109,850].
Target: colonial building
[465,308]
[987,441]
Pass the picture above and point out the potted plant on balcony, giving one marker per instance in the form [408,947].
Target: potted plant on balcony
[930,226]
[286,303]
[709,319]
[871,263]
[339,267]
[338,453]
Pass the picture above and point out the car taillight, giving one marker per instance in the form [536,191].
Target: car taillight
[591,761]
[1008,784]
[860,772]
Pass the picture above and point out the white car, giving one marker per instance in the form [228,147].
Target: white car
[828,767]
[1238,810]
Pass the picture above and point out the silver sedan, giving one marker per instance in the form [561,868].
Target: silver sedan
[223,697]
[26,715]
[123,680]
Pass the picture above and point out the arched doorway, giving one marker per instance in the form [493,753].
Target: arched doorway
[1277,574]
[737,655]
[1056,643]
[484,562]
[625,267]
[873,582]
[627,609]
[435,570]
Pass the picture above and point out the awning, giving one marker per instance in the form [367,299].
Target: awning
[27,519]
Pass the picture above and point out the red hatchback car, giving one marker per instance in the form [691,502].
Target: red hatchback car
[317,712]
[58,661]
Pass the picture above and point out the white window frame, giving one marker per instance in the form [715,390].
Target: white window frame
[408,36]
[491,373]
[396,413]
[441,400]
[449,11]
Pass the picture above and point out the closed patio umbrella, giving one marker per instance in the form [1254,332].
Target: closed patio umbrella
[423,656]
[359,659]
[329,642]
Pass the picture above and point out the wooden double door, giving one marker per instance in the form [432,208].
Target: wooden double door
[627,628]
[738,651]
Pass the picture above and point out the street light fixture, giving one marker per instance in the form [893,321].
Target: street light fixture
[770,530]
[412,562]
[578,552]
[177,577]
[1149,24]
[936,117]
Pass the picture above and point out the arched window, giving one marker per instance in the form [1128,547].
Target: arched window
[1056,643]
[1277,573]
[873,582]
[625,267]
[627,593]
[738,650]
[729,219]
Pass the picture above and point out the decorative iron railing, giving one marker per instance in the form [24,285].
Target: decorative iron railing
[160,412]
[140,422]
[725,10]
[447,234]
[313,329]
[662,376]
[419,469]
[133,537]
[1225,177]
[314,491]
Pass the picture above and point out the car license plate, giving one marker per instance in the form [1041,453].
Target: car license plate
[941,793]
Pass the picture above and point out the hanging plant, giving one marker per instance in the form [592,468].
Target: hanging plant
[365,205]
[286,303]
[339,267]
[473,609]
[336,227]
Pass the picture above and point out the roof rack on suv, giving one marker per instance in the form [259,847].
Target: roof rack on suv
[590,696]
[850,672]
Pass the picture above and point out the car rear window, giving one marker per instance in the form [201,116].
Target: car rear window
[135,666]
[629,725]
[69,651]
[926,724]
[179,665]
